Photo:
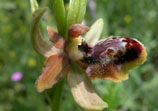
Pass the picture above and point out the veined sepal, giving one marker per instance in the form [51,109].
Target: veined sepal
[39,44]
[76,12]
[55,67]
[83,91]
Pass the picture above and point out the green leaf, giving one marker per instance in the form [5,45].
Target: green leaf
[83,92]
[60,16]
[93,35]
[76,12]
[39,44]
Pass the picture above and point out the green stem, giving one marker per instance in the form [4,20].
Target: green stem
[75,15]
[54,95]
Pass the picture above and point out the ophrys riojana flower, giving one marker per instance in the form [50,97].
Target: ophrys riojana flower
[83,59]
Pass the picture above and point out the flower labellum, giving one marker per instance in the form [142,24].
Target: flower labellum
[111,58]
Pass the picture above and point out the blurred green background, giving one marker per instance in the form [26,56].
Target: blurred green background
[132,18]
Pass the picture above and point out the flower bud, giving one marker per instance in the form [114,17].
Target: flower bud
[111,58]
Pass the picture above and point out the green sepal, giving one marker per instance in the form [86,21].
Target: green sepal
[76,12]
[39,44]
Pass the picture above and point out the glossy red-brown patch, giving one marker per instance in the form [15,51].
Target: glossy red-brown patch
[110,52]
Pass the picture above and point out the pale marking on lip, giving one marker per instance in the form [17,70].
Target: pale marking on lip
[108,58]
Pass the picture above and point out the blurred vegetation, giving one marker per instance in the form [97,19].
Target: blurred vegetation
[133,18]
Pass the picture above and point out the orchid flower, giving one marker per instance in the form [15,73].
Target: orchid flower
[82,59]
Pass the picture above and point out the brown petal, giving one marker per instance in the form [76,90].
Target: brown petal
[54,37]
[51,72]
[77,29]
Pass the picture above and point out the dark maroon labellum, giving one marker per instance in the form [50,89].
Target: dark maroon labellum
[113,49]
[111,58]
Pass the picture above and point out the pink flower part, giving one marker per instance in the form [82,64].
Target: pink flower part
[17,76]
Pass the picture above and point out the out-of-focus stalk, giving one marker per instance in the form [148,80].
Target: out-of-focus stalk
[60,16]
